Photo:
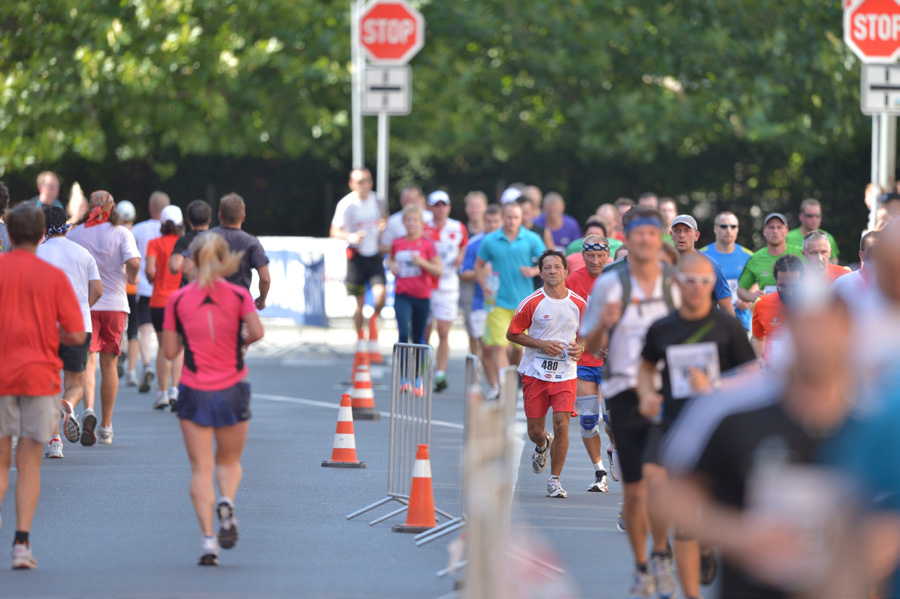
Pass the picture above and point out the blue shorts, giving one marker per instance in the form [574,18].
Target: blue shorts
[216,409]
[592,374]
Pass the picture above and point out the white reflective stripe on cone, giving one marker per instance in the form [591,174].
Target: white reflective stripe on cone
[344,441]
[363,394]
[345,414]
[422,469]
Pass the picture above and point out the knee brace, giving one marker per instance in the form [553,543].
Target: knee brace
[589,415]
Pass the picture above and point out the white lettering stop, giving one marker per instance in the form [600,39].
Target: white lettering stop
[388,31]
[874,26]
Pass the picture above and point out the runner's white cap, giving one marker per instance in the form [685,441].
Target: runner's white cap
[172,213]
[438,196]
[126,211]
[685,219]
[511,194]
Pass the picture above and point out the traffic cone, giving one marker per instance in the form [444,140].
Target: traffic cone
[375,356]
[343,455]
[420,515]
[361,350]
[361,397]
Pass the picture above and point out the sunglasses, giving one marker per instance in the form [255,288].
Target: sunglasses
[594,247]
[728,226]
[811,215]
[364,180]
[693,280]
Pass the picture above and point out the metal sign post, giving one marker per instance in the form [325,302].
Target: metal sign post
[359,67]
[387,91]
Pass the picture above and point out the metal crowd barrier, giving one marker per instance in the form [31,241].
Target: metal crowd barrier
[412,378]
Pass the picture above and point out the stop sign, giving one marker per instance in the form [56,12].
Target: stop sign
[872,29]
[391,31]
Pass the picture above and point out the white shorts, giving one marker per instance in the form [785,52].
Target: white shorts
[444,305]
[475,321]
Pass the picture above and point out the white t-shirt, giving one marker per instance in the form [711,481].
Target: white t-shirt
[548,319]
[353,215]
[111,247]
[851,288]
[79,266]
[450,240]
[628,336]
[143,233]
[395,229]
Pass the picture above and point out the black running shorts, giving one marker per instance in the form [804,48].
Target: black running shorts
[630,430]
[74,357]
[362,270]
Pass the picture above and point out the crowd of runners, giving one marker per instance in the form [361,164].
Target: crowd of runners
[735,385]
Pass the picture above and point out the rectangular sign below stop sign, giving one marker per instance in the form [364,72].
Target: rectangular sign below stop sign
[391,31]
[872,29]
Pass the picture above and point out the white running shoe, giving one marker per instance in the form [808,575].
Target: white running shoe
[209,553]
[554,489]
[88,422]
[71,427]
[643,586]
[539,458]
[131,379]
[599,485]
[105,435]
[54,448]
[612,466]
[162,401]
[22,558]
[173,398]
[663,575]
[493,393]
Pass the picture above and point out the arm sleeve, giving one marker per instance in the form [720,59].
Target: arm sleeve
[522,320]
[93,271]
[430,250]
[340,212]
[722,290]
[483,251]
[69,312]
[757,327]
[538,246]
[128,247]
[258,256]
[180,245]
[747,278]
[595,302]
[469,259]
[465,238]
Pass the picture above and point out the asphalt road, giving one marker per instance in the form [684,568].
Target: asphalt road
[116,521]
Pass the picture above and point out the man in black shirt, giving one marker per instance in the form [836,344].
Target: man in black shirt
[199,215]
[695,344]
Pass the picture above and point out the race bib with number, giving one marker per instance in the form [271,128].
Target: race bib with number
[733,285]
[405,267]
[770,289]
[550,368]
[682,358]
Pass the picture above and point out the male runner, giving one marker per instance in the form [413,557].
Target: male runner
[684,237]
[548,367]
[623,305]
[854,286]
[199,216]
[450,239]
[359,219]
[595,252]
[817,252]
[811,220]
[394,228]
[758,270]
[695,344]
[476,316]
[769,311]
[732,258]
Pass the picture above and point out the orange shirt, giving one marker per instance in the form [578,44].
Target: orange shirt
[581,282]
[165,283]
[35,297]
[834,272]
[768,316]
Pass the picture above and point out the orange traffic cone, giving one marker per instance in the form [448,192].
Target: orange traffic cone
[361,350]
[361,397]
[374,353]
[420,515]
[343,455]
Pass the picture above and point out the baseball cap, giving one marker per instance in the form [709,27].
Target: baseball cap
[126,211]
[685,219]
[777,215]
[438,196]
[510,194]
[172,213]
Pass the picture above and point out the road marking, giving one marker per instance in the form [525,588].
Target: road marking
[325,404]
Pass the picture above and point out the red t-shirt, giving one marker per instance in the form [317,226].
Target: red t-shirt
[35,298]
[209,322]
[581,282]
[165,283]
[412,280]
[768,316]
[833,272]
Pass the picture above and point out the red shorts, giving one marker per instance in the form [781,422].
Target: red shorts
[541,395]
[108,328]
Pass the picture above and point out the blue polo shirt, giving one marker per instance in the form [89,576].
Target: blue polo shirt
[732,266]
[507,257]
[468,263]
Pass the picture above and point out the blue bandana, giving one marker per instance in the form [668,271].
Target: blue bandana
[644,221]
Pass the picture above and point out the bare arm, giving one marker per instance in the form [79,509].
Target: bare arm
[255,330]
[175,262]
[150,270]
[725,304]
[432,267]
[650,400]
[480,273]
[172,344]
[759,345]
[352,238]
[265,281]
[188,269]
[95,290]
[132,267]
[750,295]
[72,338]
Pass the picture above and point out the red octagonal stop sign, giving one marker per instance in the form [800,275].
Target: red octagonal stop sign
[872,29]
[391,31]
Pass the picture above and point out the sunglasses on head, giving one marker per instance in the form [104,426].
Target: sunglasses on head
[594,247]
[686,279]
[728,226]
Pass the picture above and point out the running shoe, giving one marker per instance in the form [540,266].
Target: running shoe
[54,448]
[620,521]
[709,566]
[88,422]
[209,553]
[173,399]
[493,393]
[162,401]
[643,586]
[22,558]
[70,423]
[554,489]
[440,383]
[612,466]
[599,485]
[146,379]
[120,365]
[131,379]
[539,458]
[228,531]
[105,435]
[663,574]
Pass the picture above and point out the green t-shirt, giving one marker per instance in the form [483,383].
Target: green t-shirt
[759,268]
[795,237]
[575,247]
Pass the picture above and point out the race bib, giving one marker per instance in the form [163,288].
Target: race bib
[682,358]
[770,289]
[405,267]
[550,368]
[733,285]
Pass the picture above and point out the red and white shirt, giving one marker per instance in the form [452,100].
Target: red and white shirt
[450,241]
[548,319]
[581,282]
